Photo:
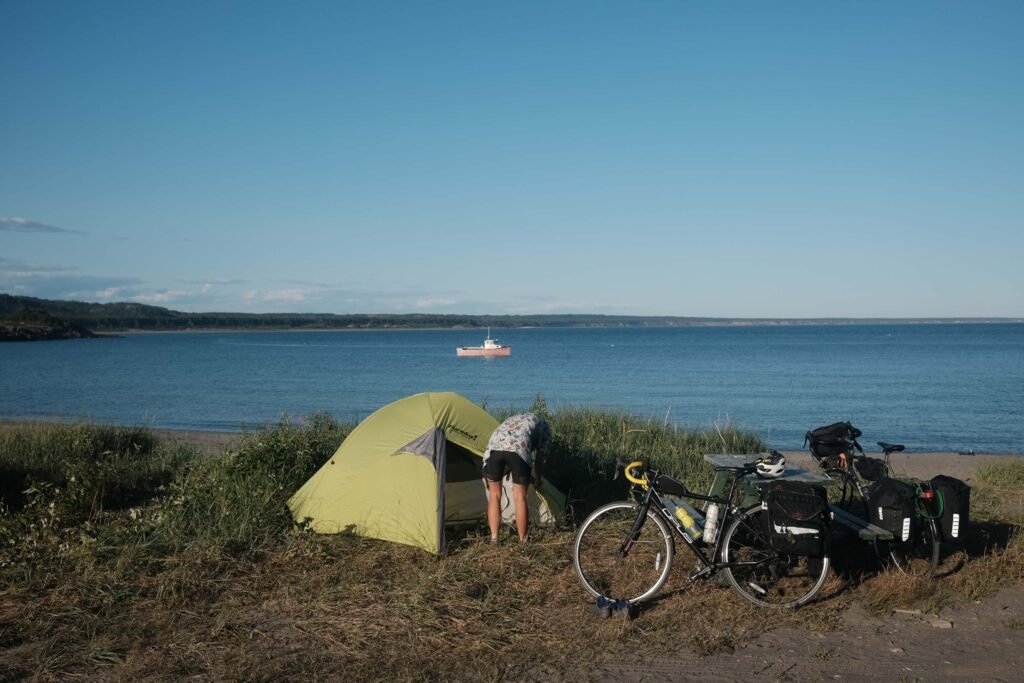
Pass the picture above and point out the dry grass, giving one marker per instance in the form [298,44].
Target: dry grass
[207,578]
[994,548]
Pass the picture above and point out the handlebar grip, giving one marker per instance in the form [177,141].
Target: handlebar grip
[629,473]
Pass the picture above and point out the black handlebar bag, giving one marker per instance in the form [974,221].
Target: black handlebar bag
[799,519]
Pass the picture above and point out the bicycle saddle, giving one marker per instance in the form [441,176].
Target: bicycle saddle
[891,447]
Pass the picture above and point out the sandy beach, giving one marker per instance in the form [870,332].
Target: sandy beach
[919,465]
[915,465]
[209,443]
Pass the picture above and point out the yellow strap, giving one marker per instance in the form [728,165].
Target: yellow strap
[635,480]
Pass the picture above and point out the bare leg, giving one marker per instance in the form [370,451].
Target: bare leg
[494,508]
[522,511]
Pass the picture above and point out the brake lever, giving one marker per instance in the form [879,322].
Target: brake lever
[620,465]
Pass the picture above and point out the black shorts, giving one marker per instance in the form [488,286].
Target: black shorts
[501,462]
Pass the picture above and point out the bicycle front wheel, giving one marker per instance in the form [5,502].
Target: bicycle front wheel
[611,563]
[844,492]
[765,576]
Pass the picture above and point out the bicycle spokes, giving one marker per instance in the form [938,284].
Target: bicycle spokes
[763,575]
[616,557]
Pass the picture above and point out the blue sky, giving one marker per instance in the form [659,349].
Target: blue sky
[671,158]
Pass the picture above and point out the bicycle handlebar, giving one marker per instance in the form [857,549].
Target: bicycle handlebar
[644,482]
[639,464]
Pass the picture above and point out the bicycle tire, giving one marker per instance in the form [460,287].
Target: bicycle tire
[778,579]
[636,575]
[845,493]
[919,556]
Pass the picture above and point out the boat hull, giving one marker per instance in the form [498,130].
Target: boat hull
[481,351]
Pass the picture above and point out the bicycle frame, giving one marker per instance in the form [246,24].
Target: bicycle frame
[925,503]
[651,498]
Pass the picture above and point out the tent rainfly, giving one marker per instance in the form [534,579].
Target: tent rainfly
[407,471]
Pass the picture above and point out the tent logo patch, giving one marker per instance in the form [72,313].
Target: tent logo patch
[471,437]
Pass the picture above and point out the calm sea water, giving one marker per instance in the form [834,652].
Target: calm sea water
[932,387]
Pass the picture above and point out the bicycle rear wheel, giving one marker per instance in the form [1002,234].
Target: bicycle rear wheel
[919,556]
[765,576]
[609,563]
[844,493]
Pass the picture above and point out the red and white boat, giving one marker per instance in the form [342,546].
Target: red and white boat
[491,347]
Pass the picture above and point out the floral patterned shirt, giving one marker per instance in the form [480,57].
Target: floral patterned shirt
[520,434]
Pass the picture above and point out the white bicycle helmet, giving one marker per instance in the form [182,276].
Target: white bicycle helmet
[771,465]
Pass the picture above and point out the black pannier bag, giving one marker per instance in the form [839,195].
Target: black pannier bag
[891,506]
[798,518]
[956,506]
[829,441]
[870,469]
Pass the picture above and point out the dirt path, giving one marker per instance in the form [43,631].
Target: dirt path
[982,641]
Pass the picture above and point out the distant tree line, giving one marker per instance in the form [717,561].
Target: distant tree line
[132,316]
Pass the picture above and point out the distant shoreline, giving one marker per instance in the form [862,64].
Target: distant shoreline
[808,322]
[126,317]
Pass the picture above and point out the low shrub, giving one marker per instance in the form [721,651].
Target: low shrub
[237,502]
[93,467]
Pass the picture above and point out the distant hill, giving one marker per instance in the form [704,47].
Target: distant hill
[38,325]
[132,316]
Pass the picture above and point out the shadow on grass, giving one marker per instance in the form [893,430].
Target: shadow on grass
[12,486]
[986,536]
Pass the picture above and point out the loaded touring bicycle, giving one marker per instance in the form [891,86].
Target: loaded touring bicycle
[772,551]
[917,527]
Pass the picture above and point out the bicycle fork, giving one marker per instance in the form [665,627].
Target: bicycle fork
[634,532]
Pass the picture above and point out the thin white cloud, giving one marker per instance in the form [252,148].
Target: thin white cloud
[19,224]
[214,281]
[20,269]
[286,295]
[275,295]
[161,297]
[108,293]
[434,303]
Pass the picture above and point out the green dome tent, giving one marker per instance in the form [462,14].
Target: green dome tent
[407,471]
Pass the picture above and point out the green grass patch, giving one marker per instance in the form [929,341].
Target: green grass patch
[1005,475]
[591,446]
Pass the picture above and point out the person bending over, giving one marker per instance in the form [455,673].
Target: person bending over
[510,449]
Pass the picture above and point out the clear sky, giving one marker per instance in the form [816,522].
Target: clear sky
[755,159]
